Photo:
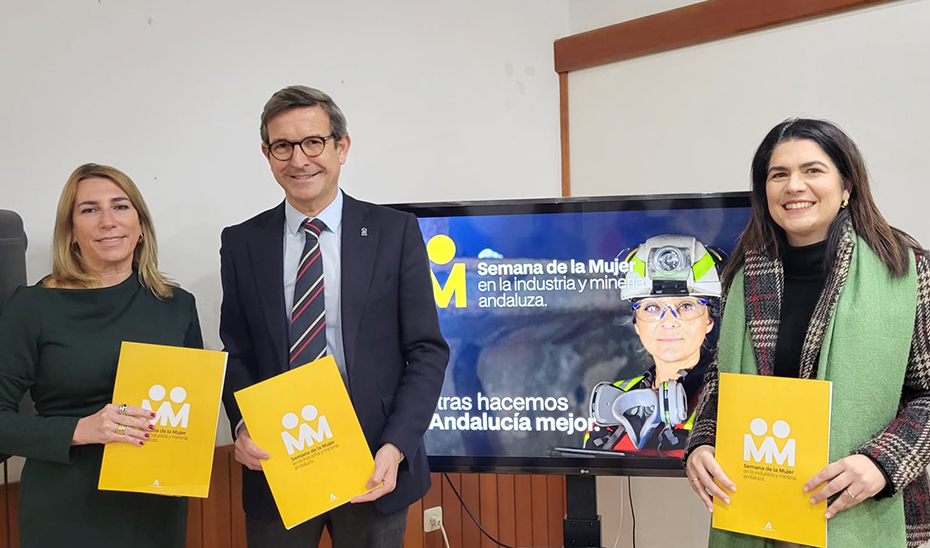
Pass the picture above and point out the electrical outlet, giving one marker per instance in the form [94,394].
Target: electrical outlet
[432,518]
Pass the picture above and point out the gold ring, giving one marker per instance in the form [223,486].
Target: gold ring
[121,430]
[693,480]
[852,496]
[122,409]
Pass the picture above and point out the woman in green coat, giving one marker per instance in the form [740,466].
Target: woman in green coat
[60,340]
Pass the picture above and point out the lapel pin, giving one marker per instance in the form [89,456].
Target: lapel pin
[364,231]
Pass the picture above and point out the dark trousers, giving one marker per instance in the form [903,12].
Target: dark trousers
[349,526]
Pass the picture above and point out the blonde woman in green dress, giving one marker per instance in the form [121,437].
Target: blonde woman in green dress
[60,340]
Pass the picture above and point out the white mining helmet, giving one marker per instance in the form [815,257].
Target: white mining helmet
[672,265]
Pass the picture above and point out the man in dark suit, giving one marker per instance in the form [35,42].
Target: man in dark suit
[323,273]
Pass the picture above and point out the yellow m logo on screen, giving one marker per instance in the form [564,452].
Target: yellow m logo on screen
[441,250]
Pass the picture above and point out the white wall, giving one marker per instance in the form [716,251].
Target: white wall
[668,514]
[689,121]
[445,101]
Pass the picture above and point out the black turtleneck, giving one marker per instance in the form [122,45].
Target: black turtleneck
[804,280]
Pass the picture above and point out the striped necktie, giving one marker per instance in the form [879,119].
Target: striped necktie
[308,314]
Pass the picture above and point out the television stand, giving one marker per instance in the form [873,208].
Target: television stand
[581,526]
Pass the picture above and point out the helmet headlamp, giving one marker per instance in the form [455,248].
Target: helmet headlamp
[669,263]
[672,265]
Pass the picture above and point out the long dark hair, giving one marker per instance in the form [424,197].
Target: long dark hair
[763,234]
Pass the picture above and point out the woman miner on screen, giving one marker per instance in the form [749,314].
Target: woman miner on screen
[674,284]
[820,286]
[60,339]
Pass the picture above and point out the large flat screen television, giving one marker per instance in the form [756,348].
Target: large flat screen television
[579,328]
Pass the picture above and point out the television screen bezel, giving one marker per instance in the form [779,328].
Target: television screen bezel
[576,465]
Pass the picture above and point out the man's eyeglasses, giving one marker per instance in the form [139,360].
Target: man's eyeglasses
[652,310]
[311,146]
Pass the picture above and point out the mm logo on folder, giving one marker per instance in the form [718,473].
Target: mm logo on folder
[773,434]
[176,412]
[304,419]
[307,436]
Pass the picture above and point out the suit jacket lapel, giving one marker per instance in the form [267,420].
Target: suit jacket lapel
[359,246]
[266,250]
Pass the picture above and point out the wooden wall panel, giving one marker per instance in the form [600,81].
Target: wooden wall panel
[518,510]
[524,525]
[217,515]
[506,509]
[4,516]
[556,507]
[539,498]
[452,513]
[470,492]
[566,172]
[9,505]
[687,26]
[194,537]
[490,518]
[432,498]
[413,536]
[236,513]
[14,512]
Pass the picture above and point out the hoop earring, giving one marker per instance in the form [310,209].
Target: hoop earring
[845,204]
[142,236]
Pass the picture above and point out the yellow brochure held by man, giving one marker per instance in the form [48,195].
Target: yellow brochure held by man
[319,457]
[182,386]
[773,434]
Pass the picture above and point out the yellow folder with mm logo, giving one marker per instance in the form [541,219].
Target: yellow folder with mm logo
[773,434]
[182,386]
[319,457]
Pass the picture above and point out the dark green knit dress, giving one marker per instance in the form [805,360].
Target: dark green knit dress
[63,345]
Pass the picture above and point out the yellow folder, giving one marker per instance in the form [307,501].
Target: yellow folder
[183,387]
[773,434]
[319,457]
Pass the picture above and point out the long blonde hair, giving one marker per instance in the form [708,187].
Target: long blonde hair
[67,264]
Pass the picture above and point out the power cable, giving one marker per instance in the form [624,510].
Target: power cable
[444,536]
[629,491]
[620,525]
[472,516]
